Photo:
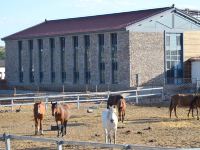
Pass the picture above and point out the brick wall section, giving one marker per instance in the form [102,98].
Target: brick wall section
[123,55]
[147,58]
[11,62]
[123,63]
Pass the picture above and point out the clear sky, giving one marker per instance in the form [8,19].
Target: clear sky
[16,15]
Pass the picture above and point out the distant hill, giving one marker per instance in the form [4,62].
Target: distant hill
[2,52]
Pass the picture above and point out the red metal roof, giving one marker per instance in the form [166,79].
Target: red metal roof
[86,24]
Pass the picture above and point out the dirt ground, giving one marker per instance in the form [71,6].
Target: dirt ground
[149,126]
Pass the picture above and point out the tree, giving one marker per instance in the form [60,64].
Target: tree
[2,52]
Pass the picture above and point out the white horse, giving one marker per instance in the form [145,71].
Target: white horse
[109,122]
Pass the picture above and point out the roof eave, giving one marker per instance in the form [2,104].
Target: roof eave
[63,34]
[143,19]
[187,16]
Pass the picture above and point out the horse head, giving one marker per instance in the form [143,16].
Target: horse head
[112,116]
[53,107]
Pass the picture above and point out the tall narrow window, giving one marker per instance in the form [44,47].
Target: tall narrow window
[31,67]
[20,67]
[114,57]
[101,59]
[174,58]
[76,67]
[52,49]
[40,48]
[62,49]
[87,58]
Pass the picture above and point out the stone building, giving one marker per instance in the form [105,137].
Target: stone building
[115,51]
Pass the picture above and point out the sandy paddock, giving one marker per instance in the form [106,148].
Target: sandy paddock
[149,126]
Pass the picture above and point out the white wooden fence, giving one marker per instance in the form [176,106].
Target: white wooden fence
[7,139]
[87,97]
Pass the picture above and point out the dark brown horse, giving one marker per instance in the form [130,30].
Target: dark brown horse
[183,100]
[61,113]
[120,102]
[38,111]
[195,103]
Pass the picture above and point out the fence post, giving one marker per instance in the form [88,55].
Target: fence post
[162,95]
[46,102]
[7,141]
[108,94]
[12,102]
[136,94]
[78,102]
[96,88]
[59,145]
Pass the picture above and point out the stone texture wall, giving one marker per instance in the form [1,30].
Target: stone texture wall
[11,62]
[12,74]
[147,58]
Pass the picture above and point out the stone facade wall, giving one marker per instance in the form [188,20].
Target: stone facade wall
[12,74]
[147,58]
[11,62]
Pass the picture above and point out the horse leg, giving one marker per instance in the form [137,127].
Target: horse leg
[41,131]
[193,112]
[189,112]
[109,138]
[175,112]
[106,135]
[123,114]
[170,111]
[36,126]
[58,129]
[197,113]
[65,124]
[115,136]
[62,127]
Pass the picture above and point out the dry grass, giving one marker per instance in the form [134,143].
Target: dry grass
[143,125]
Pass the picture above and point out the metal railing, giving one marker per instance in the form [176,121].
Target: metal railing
[86,97]
[8,137]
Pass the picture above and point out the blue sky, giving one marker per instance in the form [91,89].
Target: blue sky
[16,15]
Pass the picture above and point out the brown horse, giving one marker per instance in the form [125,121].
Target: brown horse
[120,102]
[195,103]
[180,100]
[61,113]
[121,109]
[38,111]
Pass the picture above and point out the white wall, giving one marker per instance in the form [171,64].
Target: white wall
[195,71]
[2,72]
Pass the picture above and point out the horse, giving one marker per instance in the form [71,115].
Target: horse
[109,123]
[62,114]
[179,100]
[38,112]
[195,103]
[120,102]
[121,109]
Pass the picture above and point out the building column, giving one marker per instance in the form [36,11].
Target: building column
[46,61]
[81,64]
[25,61]
[94,55]
[69,63]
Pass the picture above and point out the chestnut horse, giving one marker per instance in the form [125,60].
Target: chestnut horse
[38,112]
[120,102]
[61,113]
[180,100]
[121,109]
[195,103]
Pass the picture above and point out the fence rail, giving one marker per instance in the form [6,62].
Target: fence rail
[8,137]
[85,97]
